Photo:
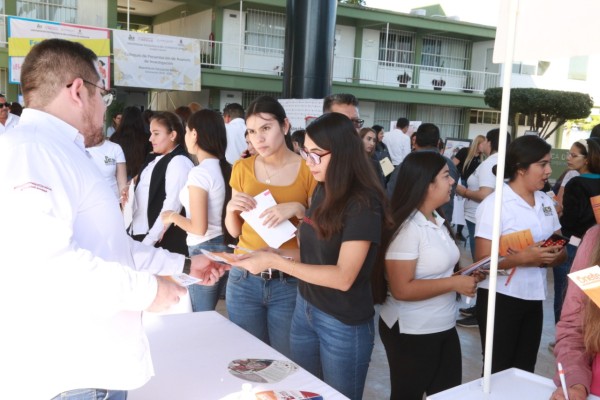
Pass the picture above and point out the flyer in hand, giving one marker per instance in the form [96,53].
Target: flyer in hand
[588,280]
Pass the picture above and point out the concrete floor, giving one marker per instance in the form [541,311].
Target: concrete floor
[378,378]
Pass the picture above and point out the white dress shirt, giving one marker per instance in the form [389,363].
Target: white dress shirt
[236,142]
[73,283]
[177,171]
[11,122]
[398,145]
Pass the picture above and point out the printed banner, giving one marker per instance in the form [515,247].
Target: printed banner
[24,33]
[156,61]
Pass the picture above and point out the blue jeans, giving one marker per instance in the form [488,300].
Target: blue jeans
[471,229]
[335,352]
[560,281]
[92,394]
[205,298]
[262,307]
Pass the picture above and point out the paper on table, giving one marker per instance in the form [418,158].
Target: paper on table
[588,280]
[275,236]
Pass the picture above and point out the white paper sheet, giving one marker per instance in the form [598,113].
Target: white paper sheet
[275,236]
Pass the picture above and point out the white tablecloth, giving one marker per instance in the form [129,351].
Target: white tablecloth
[191,353]
[511,384]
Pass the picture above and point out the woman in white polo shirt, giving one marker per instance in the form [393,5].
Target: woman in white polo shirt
[519,313]
[417,320]
[480,183]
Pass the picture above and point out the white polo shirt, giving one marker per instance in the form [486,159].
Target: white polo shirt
[398,145]
[482,177]
[73,283]
[527,283]
[436,254]
[11,122]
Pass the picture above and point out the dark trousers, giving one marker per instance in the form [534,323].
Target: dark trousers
[517,330]
[421,363]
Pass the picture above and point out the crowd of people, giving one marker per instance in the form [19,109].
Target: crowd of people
[373,212]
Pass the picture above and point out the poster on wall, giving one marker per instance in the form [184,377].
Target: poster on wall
[301,112]
[24,33]
[453,145]
[156,61]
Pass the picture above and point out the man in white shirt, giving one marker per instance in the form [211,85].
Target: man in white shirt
[398,142]
[233,114]
[344,103]
[74,284]
[8,120]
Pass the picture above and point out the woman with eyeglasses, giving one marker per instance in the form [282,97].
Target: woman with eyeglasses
[157,188]
[577,214]
[332,331]
[262,303]
[522,290]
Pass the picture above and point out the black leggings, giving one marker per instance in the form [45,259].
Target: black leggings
[517,330]
[421,363]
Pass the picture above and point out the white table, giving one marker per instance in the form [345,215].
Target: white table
[511,384]
[191,353]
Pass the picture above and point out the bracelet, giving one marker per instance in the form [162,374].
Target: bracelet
[187,266]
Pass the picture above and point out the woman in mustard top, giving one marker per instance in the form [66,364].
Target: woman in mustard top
[263,304]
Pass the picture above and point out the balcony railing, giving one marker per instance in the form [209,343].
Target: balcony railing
[262,60]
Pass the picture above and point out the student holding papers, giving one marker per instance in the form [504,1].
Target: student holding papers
[519,313]
[578,331]
[332,331]
[262,303]
[414,280]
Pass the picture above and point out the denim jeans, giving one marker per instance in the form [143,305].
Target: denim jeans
[471,229]
[205,298]
[560,281]
[262,307]
[92,394]
[335,352]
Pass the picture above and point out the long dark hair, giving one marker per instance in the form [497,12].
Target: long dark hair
[212,138]
[349,174]
[131,135]
[522,152]
[592,152]
[417,172]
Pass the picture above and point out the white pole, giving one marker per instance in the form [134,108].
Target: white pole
[506,82]
[128,11]
[241,34]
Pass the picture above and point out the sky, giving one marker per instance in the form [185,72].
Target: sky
[483,12]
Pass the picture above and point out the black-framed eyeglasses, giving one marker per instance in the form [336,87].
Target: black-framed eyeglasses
[358,123]
[2,105]
[313,157]
[107,95]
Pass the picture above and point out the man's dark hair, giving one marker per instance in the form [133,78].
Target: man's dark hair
[402,123]
[595,133]
[234,110]
[340,98]
[428,135]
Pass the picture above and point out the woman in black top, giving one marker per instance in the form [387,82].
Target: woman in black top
[332,329]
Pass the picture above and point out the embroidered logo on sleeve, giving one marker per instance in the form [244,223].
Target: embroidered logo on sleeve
[33,185]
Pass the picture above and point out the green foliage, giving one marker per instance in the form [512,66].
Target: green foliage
[542,106]
[115,108]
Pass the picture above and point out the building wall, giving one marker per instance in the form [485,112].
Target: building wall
[92,12]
